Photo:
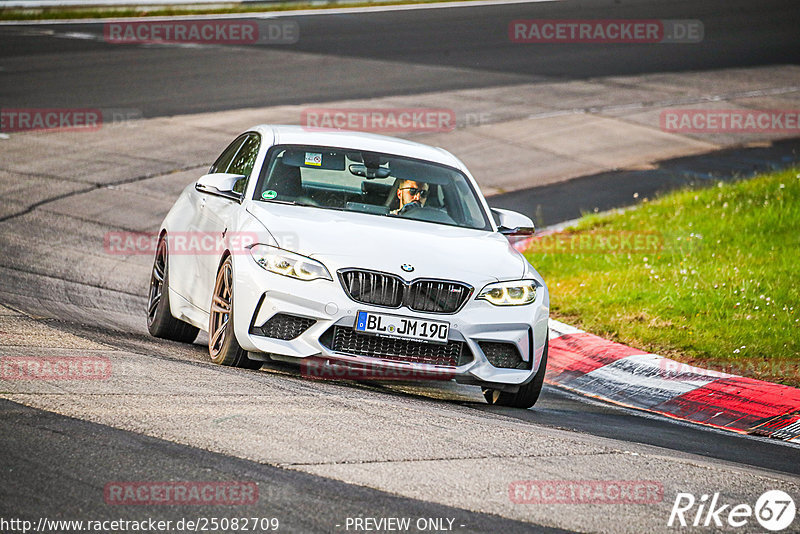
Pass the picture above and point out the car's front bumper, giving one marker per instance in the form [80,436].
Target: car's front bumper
[259,295]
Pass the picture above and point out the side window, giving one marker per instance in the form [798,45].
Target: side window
[224,160]
[244,161]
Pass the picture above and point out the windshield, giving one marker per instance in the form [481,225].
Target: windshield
[368,182]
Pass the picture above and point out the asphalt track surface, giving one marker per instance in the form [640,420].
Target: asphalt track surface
[351,56]
[56,466]
[302,503]
[567,200]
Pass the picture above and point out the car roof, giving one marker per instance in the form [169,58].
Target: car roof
[298,135]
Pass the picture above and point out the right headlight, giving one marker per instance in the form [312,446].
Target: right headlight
[514,293]
[289,264]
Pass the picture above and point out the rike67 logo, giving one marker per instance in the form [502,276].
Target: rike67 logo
[774,510]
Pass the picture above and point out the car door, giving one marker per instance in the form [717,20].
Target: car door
[185,258]
[218,215]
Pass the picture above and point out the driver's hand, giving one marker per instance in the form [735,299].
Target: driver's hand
[415,204]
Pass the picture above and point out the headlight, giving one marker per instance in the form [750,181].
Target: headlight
[513,293]
[286,263]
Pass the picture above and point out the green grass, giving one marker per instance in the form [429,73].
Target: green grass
[61,13]
[723,292]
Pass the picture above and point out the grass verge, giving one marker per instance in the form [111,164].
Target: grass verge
[69,13]
[708,277]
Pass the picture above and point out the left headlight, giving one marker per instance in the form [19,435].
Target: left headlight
[514,293]
[286,263]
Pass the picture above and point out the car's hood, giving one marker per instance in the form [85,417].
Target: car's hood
[347,239]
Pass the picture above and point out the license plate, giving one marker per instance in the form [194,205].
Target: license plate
[385,324]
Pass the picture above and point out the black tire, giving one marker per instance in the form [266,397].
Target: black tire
[223,347]
[528,394]
[160,321]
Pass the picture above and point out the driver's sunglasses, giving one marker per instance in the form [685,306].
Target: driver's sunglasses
[413,191]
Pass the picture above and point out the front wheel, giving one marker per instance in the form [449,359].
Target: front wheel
[528,394]
[223,347]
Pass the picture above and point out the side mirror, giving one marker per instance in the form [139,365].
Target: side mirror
[511,223]
[220,184]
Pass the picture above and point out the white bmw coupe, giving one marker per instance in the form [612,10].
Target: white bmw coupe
[357,250]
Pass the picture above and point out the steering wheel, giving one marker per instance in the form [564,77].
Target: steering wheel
[410,207]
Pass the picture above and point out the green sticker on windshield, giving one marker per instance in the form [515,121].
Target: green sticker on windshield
[269,195]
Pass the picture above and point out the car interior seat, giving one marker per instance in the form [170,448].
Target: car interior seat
[392,202]
[285,180]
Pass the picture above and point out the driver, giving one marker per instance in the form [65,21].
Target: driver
[410,193]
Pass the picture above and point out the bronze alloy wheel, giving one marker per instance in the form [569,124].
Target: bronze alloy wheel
[220,311]
[222,343]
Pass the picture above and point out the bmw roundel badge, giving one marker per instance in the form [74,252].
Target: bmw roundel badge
[407,267]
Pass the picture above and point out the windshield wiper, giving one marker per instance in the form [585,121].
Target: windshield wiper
[303,204]
[290,202]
